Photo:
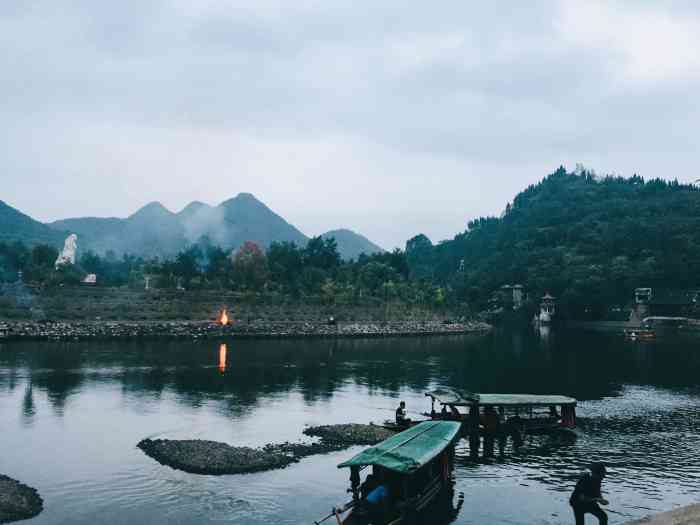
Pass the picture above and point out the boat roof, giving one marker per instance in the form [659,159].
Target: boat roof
[458,397]
[408,450]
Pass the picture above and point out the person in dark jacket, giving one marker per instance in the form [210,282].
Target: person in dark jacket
[587,496]
[401,418]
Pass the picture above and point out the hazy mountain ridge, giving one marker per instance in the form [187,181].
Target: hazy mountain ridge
[17,226]
[351,244]
[153,230]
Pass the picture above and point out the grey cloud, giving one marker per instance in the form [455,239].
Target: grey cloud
[486,96]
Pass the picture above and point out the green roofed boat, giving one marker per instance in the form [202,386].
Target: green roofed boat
[409,471]
[497,415]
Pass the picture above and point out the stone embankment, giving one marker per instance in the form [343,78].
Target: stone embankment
[18,501]
[212,457]
[63,330]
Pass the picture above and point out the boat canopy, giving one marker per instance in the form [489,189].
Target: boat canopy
[459,398]
[408,450]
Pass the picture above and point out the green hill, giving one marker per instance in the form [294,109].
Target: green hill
[154,230]
[16,226]
[586,239]
[351,244]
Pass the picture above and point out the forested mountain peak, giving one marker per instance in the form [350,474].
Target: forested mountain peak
[587,239]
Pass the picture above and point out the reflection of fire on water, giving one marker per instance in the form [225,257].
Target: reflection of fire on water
[222,358]
[223,318]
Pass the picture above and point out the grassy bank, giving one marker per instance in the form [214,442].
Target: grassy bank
[84,303]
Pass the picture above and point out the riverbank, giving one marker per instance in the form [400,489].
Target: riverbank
[18,501]
[689,515]
[71,330]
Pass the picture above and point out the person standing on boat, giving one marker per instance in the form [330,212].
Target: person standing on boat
[587,495]
[401,418]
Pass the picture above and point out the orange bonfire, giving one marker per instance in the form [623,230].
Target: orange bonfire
[223,318]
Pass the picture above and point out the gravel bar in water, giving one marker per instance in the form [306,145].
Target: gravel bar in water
[18,501]
[199,456]
[350,434]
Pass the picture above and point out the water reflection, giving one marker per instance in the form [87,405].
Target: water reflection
[222,357]
[28,408]
[582,366]
[639,411]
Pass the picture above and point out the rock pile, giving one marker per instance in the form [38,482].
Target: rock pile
[211,457]
[63,330]
[350,434]
[18,501]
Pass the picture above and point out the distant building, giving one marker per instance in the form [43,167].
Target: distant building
[674,302]
[508,297]
[90,278]
[642,295]
[547,309]
[665,303]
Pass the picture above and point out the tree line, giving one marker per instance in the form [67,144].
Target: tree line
[283,269]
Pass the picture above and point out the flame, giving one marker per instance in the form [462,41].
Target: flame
[223,318]
[222,358]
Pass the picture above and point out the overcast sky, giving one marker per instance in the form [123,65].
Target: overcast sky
[389,118]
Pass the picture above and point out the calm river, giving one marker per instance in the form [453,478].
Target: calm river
[72,413]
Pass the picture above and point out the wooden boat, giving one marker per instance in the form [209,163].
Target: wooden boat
[413,467]
[391,424]
[639,334]
[510,413]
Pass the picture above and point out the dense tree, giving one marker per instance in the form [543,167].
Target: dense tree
[285,262]
[420,257]
[187,265]
[322,253]
[44,255]
[218,265]
[250,266]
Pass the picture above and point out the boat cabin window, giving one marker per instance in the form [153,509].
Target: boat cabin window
[506,413]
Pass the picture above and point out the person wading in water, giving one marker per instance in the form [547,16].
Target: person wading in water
[587,495]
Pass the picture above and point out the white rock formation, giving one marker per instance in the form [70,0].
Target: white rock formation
[67,256]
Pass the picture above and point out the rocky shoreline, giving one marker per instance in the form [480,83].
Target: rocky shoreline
[71,330]
[198,456]
[18,501]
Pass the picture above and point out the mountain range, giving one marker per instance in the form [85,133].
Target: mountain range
[154,230]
